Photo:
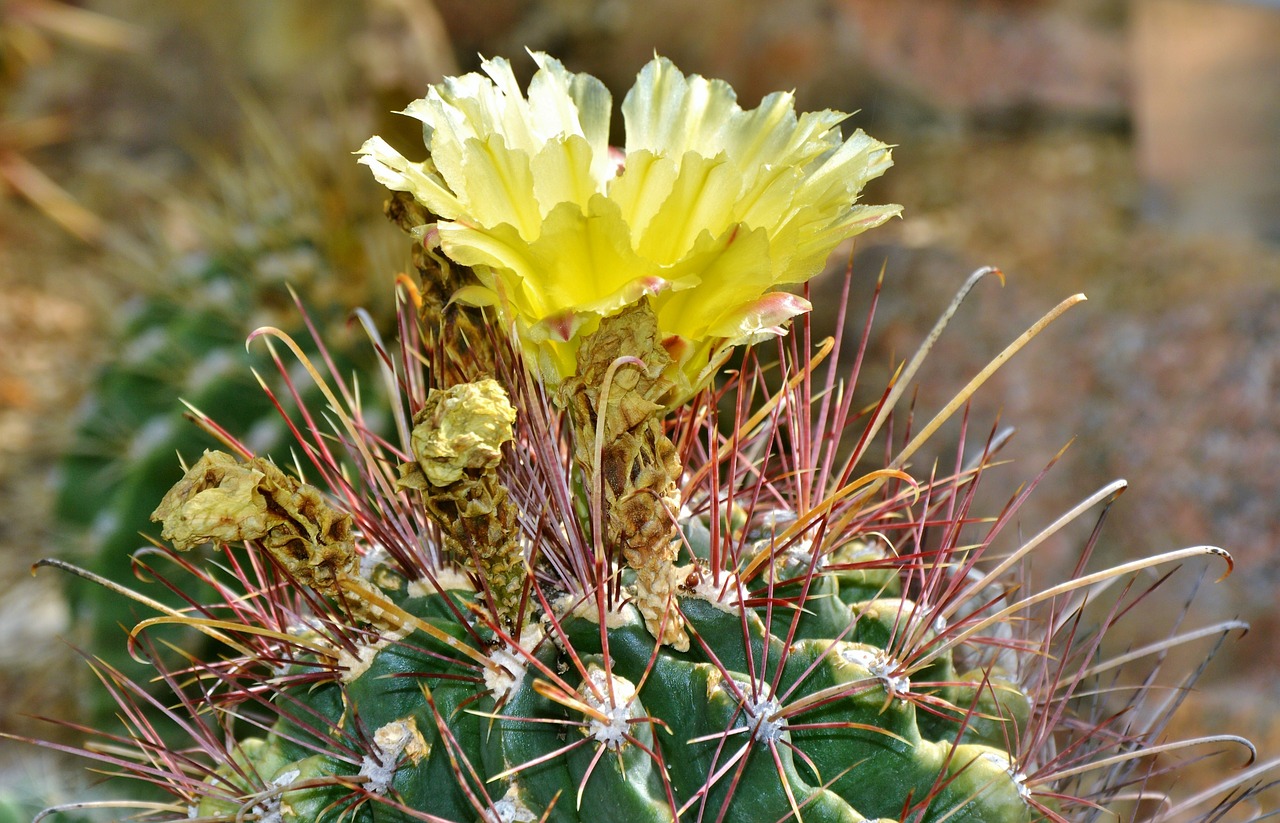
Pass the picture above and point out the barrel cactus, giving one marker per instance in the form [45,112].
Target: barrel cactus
[584,573]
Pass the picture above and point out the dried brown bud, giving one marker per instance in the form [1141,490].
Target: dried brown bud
[457,440]
[221,499]
[638,463]
[462,427]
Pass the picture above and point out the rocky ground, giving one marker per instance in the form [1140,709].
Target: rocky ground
[1168,376]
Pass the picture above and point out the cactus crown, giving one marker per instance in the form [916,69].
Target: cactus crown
[565,593]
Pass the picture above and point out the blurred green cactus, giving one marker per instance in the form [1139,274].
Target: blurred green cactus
[270,237]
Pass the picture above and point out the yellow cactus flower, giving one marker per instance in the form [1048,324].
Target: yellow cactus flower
[708,209]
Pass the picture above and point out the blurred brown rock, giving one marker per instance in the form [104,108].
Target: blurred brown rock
[1207,111]
[996,57]
[991,59]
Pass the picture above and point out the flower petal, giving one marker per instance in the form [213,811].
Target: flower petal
[579,260]
[391,169]
[669,114]
[562,173]
[812,236]
[499,188]
[759,319]
[702,199]
[582,106]
[642,188]
[731,270]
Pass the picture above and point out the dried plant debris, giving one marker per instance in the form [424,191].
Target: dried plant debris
[221,499]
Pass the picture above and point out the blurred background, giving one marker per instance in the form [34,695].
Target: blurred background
[1127,149]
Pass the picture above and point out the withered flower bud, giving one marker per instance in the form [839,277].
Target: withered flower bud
[221,499]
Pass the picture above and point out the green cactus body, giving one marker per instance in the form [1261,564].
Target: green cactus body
[859,755]
[123,455]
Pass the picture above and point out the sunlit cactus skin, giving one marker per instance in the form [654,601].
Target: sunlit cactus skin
[689,692]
